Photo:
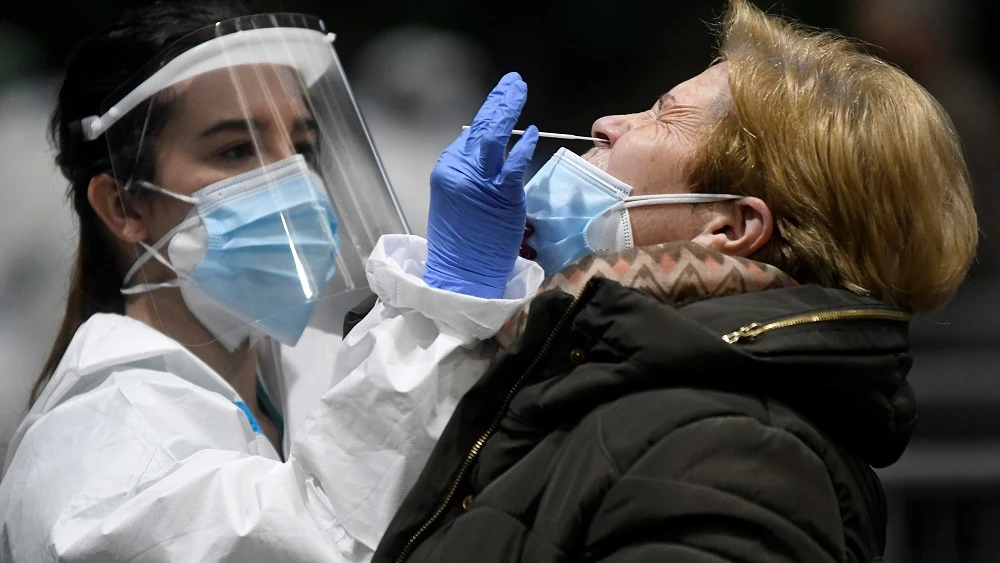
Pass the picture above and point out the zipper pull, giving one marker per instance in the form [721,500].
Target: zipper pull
[749,332]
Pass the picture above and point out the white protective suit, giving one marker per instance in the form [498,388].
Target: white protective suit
[137,451]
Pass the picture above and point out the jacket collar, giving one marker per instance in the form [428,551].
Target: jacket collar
[675,273]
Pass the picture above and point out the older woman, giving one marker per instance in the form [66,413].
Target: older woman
[721,354]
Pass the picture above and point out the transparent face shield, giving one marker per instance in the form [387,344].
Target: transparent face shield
[243,153]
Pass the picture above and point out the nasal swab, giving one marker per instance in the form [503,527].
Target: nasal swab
[555,135]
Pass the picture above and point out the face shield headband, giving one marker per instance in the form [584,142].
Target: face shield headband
[306,50]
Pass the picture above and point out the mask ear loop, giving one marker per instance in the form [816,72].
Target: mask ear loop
[153,251]
[144,287]
[625,236]
[153,187]
[663,199]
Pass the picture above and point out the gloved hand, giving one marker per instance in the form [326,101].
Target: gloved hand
[477,214]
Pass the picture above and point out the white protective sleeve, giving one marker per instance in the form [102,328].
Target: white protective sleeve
[148,467]
[409,360]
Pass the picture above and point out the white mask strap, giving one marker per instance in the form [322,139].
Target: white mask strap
[154,252]
[151,186]
[145,287]
[664,199]
[151,252]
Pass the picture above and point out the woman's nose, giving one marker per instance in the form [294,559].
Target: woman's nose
[610,128]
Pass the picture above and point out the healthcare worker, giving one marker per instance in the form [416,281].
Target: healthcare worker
[228,195]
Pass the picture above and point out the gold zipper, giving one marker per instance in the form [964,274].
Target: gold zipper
[753,330]
[474,452]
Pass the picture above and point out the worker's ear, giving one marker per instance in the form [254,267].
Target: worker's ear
[120,212]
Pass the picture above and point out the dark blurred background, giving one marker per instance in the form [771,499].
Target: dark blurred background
[420,70]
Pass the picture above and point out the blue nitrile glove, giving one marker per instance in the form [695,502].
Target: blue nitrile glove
[476,222]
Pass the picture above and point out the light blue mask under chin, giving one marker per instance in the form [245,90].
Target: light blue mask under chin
[577,209]
[258,247]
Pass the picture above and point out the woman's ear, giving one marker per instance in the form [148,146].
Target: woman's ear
[740,228]
[115,209]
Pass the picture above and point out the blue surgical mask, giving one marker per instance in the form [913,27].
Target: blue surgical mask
[254,253]
[577,209]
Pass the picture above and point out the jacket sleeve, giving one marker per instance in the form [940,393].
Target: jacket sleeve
[150,468]
[721,490]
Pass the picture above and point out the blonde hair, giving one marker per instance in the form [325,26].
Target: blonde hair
[860,167]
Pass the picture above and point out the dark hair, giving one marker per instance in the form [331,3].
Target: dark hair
[98,67]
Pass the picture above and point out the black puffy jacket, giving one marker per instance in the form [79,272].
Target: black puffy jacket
[621,429]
